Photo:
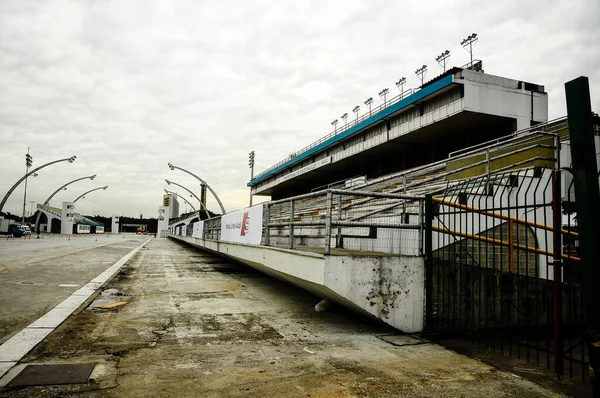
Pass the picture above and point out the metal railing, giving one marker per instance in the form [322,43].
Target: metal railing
[346,219]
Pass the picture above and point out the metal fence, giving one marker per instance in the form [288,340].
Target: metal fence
[501,269]
[344,219]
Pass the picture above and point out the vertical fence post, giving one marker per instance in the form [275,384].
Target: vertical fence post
[428,260]
[511,247]
[291,238]
[267,221]
[587,195]
[328,223]
[338,240]
[557,260]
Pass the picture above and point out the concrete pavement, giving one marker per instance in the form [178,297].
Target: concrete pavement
[190,324]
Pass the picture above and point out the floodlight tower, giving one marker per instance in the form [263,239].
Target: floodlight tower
[334,124]
[251,164]
[28,163]
[421,72]
[442,59]
[369,102]
[345,117]
[400,84]
[356,109]
[469,41]
[383,94]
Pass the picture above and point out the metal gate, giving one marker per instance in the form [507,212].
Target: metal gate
[501,268]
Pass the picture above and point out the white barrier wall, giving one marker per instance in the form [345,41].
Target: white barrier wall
[66,220]
[198,230]
[243,226]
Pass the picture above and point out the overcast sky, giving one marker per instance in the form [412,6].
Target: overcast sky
[129,86]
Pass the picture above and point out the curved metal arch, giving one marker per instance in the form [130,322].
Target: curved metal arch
[10,191]
[173,167]
[184,199]
[91,190]
[47,202]
[193,194]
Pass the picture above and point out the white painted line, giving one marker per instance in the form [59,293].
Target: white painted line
[68,285]
[21,343]
[15,348]
[52,318]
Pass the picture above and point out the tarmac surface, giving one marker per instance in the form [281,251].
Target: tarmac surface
[180,322]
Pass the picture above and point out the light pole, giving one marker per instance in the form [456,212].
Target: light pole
[334,124]
[442,59]
[251,164]
[355,110]
[383,94]
[28,163]
[368,103]
[10,191]
[184,199]
[400,84]
[47,202]
[191,193]
[82,196]
[421,73]
[173,167]
[31,202]
[469,41]
[345,117]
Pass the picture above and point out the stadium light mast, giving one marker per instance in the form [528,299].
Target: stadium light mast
[383,94]
[369,102]
[173,167]
[47,202]
[82,196]
[334,124]
[32,172]
[28,163]
[421,72]
[442,59]
[400,84]
[251,164]
[345,117]
[469,41]
[356,109]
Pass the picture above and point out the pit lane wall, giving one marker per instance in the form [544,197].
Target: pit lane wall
[388,288]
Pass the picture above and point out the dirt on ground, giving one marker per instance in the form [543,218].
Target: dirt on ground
[199,326]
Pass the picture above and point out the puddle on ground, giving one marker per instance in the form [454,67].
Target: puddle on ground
[109,299]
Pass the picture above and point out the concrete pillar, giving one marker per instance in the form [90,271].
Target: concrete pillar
[163,221]
[66,221]
[115,224]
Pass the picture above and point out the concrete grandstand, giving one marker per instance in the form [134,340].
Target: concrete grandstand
[458,109]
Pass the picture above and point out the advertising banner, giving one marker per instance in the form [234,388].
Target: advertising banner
[243,226]
[198,231]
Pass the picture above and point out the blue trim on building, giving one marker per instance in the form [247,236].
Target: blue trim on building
[419,95]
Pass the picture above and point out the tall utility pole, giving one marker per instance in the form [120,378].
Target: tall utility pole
[28,163]
[251,164]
